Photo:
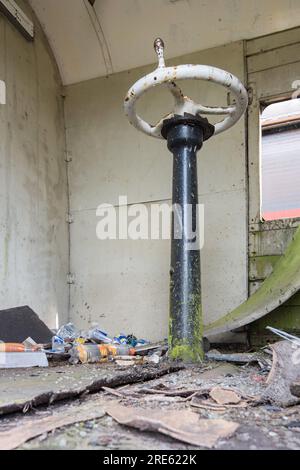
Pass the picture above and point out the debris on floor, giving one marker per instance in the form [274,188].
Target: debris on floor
[238,358]
[95,346]
[17,324]
[80,347]
[219,399]
[16,436]
[183,425]
[22,355]
[224,397]
[285,370]
[19,360]
[148,389]
[295,388]
[224,402]
[284,335]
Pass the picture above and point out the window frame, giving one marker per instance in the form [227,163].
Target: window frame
[254,131]
[292,125]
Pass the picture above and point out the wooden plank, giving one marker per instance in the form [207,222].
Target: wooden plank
[269,243]
[260,267]
[254,158]
[272,41]
[274,58]
[276,81]
[274,225]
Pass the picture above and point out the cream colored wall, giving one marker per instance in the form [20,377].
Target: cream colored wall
[123,285]
[33,184]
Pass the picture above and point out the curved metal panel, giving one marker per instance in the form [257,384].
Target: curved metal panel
[282,284]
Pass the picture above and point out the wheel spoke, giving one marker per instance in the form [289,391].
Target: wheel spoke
[176,92]
[215,110]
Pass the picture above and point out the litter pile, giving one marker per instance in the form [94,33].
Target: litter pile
[81,347]
[95,346]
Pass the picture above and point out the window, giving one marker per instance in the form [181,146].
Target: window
[280,160]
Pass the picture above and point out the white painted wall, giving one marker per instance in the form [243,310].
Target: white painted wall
[33,184]
[124,284]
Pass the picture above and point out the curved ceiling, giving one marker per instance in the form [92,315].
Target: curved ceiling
[117,35]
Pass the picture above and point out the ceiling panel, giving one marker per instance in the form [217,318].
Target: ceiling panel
[117,35]
[72,38]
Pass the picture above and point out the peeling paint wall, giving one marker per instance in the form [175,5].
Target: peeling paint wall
[273,66]
[124,285]
[33,184]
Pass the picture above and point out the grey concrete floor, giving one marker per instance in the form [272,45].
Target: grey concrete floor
[261,427]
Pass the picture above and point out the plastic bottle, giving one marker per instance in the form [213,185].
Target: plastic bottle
[91,353]
[58,344]
[68,332]
[99,336]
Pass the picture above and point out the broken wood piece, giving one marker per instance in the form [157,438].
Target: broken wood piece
[22,433]
[163,398]
[182,425]
[295,388]
[124,358]
[207,405]
[224,397]
[285,371]
[129,360]
[112,391]
[190,397]
[185,393]
[199,402]
[238,358]
[125,363]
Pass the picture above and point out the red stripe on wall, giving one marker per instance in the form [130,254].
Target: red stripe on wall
[286,214]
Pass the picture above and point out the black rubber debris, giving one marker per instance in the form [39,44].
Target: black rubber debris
[17,324]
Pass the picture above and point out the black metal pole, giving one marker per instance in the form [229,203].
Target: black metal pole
[185,136]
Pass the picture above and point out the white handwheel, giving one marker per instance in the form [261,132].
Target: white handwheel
[183,104]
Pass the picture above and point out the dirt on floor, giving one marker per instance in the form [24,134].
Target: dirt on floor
[261,425]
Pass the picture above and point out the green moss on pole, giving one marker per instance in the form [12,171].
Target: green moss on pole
[185,135]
